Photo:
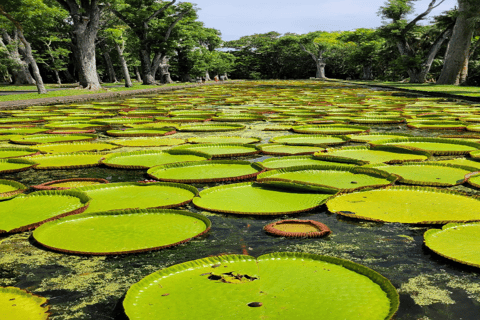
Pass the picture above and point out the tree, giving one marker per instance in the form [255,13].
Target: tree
[455,68]
[116,35]
[54,56]
[417,52]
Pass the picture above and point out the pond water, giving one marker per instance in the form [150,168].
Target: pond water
[86,287]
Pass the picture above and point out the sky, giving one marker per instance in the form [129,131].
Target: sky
[246,17]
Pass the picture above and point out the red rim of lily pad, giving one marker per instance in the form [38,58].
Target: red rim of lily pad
[46,185]
[323,230]
[70,132]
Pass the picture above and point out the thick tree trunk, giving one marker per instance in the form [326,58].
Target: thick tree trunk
[147,74]
[85,46]
[320,69]
[367,72]
[21,74]
[31,60]
[68,76]
[207,76]
[456,57]
[164,73]
[123,63]
[225,76]
[112,78]
[137,73]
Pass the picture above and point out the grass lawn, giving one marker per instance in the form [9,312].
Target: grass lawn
[72,91]
[431,87]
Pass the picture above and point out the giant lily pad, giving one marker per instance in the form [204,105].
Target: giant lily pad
[435,146]
[251,198]
[52,138]
[274,286]
[17,152]
[67,160]
[223,150]
[205,171]
[330,129]
[310,140]
[420,205]
[375,136]
[119,232]
[76,147]
[150,158]
[65,184]
[144,132]
[149,142]
[463,162]
[293,161]
[429,173]
[328,179]
[364,155]
[27,212]
[212,127]
[282,150]
[17,304]
[223,139]
[457,242]
[138,195]
[10,189]
[15,165]
[21,131]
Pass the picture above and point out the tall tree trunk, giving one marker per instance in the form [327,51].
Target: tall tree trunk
[207,76]
[137,73]
[320,69]
[57,77]
[456,57]
[367,72]
[164,73]
[147,74]
[225,76]
[21,74]
[126,74]
[112,78]
[30,59]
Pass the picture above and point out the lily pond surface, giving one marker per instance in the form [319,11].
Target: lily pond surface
[93,287]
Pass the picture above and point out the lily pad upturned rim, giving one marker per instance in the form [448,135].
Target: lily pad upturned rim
[87,137]
[323,229]
[429,163]
[430,233]
[194,140]
[261,147]
[471,176]
[19,161]
[10,194]
[201,217]
[148,132]
[209,127]
[328,157]
[281,139]
[353,137]
[354,129]
[259,169]
[42,301]
[254,149]
[408,188]
[74,131]
[376,120]
[374,276]
[310,186]
[398,143]
[105,159]
[120,142]
[84,200]
[81,143]
[33,152]
[39,166]
[46,185]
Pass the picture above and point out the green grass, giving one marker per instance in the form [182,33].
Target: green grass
[67,91]
[429,87]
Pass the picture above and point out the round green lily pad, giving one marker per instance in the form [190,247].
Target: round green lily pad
[76,147]
[328,179]
[119,232]
[138,195]
[293,161]
[457,242]
[278,285]
[463,162]
[473,179]
[365,155]
[10,189]
[65,184]
[297,228]
[72,125]
[283,150]
[149,142]
[212,127]
[146,132]
[26,212]
[330,129]
[17,152]
[205,171]
[22,131]
[224,139]
[375,137]
[377,120]
[254,199]
[310,140]
[437,125]
[121,121]
[15,165]
[420,205]
[435,146]
[429,173]
[52,138]
[17,304]
[67,160]
[223,150]
[150,158]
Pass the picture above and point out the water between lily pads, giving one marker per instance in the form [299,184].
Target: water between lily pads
[81,287]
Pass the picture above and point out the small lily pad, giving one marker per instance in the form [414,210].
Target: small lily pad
[297,229]
[10,189]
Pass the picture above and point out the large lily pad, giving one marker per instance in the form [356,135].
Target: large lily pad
[310,140]
[223,150]
[274,286]
[15,165]
[293,161]
[52,138]
[251,198]
[224,139]
[420,205]
[21,131]
[76,147]
[205,171]
[17,152]
[119,232]
[17,304]
[429,173]
[65,184]
[328,179]
[10,189]
[67,160]
[435,146]
[138,195]
[330,129]
[283,150]
[26,212]
[150,158]
[146,132]
[457,242]
[212,127]
[149,142]
[365,155]
[292,228]
[463,162]
[376,136]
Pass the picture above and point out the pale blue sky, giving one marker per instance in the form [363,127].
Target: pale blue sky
[245,17]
